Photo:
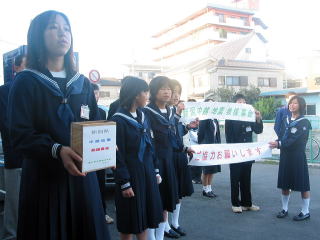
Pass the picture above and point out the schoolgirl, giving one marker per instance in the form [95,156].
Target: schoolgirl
[138,202]
[293,168]
[180,160]
[209,133]
[57,201]
[163,125]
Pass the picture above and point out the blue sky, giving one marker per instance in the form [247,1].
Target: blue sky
[113,32]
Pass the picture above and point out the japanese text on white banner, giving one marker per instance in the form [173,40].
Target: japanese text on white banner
[217,154]
[218,110]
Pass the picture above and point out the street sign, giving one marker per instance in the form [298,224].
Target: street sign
[94,76]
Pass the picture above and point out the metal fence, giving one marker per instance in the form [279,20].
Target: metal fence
[313,145]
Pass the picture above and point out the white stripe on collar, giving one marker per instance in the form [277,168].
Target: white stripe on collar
[130,118]
[155,112]
[43,76]
[296,120]
[74,78]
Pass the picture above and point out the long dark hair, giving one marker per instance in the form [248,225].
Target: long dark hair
[157,83]
[37,57]
[130,89]
[301,102]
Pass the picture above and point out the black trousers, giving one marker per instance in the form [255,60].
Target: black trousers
[101,175]
[240,178]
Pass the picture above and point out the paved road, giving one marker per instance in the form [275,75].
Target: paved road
[212,218]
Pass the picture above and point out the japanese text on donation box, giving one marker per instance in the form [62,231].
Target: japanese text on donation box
[99,143]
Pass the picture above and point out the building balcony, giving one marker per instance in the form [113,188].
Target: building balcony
[201,21]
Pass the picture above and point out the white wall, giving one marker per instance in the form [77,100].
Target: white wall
[252,78]
[258,51]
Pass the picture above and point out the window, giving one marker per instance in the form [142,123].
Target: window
[248,50]
[267,82]
[221,80]
[104,94]
[222,33]
[243,81]
[311,110]
[237,81]
[221,18]
[245,21]
[317,81]
[151,75]
[273,82]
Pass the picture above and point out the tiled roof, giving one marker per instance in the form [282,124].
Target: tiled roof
[250,64]
[230,49]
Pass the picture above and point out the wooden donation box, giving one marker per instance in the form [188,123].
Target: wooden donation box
[95,142]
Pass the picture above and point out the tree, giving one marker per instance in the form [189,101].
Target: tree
[226,94]
[267,106]
[251,94]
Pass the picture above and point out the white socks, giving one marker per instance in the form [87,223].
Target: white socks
[305,205]
[207,188]
[175,216]
[150,234]
[160,231]
[285,201]
[167,227]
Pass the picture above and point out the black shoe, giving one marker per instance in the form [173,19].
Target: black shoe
[179,230]
[282,214]
[214,195]
[301,217]
[208,194]
[171,234]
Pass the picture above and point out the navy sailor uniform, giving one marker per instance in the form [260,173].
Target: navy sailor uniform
[53,204]
[180,160]
[293,168]
[209,133]
[162,126]
[136,168]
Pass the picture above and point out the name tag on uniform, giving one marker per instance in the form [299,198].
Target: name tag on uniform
[293,130]
[248,129]
[85,112]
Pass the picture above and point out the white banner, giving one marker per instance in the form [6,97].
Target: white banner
[217,154]
[218,110]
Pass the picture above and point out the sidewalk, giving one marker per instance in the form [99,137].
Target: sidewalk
[206,219]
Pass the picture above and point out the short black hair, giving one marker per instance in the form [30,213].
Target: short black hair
[18,60]
[192,100]
[130,89]
[301,102]
[175,83]
[36,51]
[238,96]
[157,83]
[208,99]
[95,87]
